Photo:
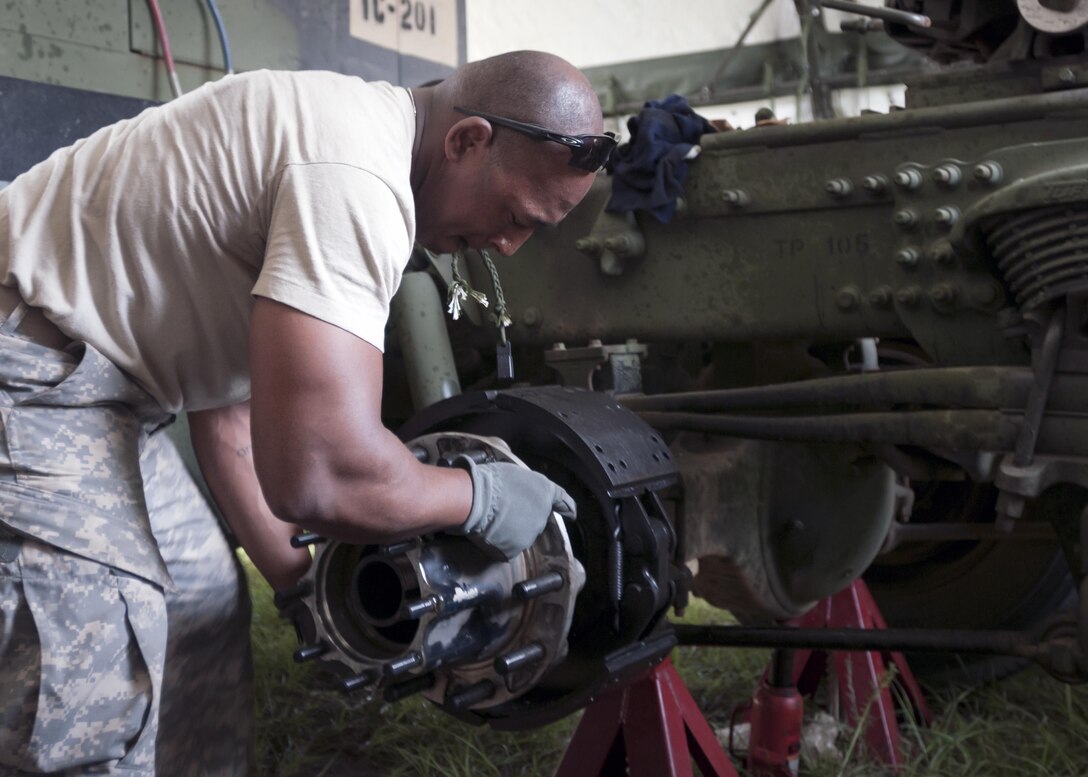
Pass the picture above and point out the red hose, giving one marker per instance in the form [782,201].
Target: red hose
[164,41]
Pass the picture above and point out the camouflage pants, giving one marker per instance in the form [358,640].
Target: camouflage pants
[123,612]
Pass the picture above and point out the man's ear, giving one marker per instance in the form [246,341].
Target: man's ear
[466,136]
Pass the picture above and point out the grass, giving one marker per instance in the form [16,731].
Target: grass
[1026,726]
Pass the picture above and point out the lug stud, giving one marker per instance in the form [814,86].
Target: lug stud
[417,609]
[310,652]
[526,656]
[358,681]
[538,586]
[398,548]
[403,665]
[408,688]
[308,538]
[474,694]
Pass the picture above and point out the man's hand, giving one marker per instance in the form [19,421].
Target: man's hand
[510,505]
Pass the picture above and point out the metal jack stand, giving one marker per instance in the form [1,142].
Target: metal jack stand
[649,728]
[862,679]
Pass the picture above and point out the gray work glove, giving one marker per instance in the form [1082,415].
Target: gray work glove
[510,505]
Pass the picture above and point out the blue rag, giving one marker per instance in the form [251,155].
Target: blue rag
[650,171]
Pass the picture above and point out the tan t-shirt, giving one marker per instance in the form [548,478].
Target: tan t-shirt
[149,238]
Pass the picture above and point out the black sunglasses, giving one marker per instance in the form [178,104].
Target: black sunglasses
[587,152]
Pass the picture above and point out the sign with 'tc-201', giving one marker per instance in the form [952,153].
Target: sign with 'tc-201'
[426,29]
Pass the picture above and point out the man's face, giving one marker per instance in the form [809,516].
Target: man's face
[498,205]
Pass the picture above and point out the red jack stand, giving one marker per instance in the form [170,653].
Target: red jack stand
[649,728]
[862,680]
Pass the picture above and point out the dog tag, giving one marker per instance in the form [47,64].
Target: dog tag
[504,360]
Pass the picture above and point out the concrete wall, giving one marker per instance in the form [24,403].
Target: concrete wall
[111,47]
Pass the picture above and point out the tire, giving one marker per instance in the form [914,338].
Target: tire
[974,585]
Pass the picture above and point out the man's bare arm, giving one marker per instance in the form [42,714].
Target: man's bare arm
[323,457]
[222,443]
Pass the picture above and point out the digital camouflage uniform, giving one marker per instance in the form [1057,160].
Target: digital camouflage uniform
[123,613]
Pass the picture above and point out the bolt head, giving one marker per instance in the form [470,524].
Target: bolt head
[874,184]
[946,216]
[908,257]
[908,179]
[880,297]
[588,245]
[847,298]
[947,175]
[908,295]
[942,252]
[905,218]
[984,294]
[943,294]
[988,172]
[838,187]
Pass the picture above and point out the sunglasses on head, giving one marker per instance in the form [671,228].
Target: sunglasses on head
[587,152]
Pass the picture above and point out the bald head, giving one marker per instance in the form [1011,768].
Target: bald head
[480,182]
[530,86]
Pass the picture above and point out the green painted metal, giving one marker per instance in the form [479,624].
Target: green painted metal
[418,319]
[110,46]
[799,260]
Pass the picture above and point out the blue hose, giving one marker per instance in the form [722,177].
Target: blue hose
[222,36]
